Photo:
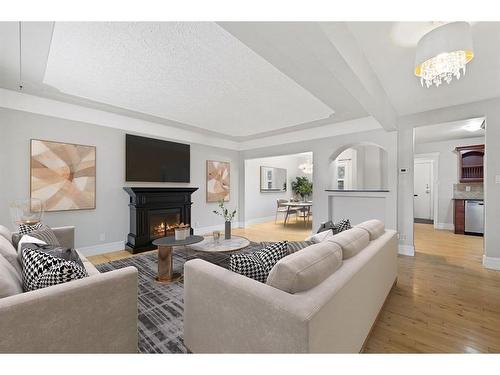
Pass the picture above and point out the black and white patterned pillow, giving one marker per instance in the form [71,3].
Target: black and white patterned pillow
[258,264]
[28,228]
[342,225]
[271,254]
[293,246]
[249,265]
[45,265]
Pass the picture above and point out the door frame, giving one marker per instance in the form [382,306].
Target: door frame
[433,158]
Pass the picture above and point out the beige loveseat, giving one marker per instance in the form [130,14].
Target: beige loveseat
[226,312]
[97,314]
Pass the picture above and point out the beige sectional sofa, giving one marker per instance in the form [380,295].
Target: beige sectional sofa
[322,299]
[97,314]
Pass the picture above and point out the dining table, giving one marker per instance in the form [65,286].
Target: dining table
[301,206]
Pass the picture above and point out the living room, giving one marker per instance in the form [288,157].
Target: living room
[294,181]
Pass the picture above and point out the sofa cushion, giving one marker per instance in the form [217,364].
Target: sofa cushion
[10,254]
[307,268]
[6,233]
[351,241]
[10,280]
[47,265]
[257,265]
[375,228]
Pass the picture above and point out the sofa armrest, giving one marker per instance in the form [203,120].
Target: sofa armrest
[225,312]
[65,236]
[97,314]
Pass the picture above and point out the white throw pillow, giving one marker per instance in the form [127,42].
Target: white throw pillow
[27,239]
[321,236]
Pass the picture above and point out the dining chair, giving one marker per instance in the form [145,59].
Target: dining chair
[283,208]
[305,213]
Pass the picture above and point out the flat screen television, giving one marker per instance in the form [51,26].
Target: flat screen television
[154,160]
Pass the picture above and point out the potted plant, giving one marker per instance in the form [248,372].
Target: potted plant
[302,186]
[228,218]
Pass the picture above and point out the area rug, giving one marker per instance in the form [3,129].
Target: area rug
[161,306]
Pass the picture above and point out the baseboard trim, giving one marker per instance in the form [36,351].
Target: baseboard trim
[408,250]
[493,263]
[209,229]
[444,226]
[102,248]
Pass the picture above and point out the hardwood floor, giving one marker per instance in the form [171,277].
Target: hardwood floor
[444,300]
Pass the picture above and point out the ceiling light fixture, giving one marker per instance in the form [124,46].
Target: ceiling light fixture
[475,126]
[306,167]
[443,53]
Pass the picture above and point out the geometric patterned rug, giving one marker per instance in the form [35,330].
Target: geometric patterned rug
[160,315]
[161,306]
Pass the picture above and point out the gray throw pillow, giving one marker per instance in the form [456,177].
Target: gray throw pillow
[45,234]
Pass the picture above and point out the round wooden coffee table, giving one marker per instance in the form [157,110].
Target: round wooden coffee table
[208,245]
[165,247]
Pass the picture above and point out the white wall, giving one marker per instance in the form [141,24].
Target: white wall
[111,215]
[447,173]
[366,168]
[261,206]
[322,157]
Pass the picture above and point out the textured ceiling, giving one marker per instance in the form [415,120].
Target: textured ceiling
[193,73]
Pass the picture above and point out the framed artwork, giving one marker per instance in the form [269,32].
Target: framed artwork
[63,175]
[218,181]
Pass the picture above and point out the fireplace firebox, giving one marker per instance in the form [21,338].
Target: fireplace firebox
[155,213]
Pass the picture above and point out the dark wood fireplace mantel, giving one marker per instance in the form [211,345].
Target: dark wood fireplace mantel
[146,202]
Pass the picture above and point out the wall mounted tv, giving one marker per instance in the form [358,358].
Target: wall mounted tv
[154,160]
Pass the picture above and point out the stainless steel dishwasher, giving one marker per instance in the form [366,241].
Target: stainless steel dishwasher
[474,217]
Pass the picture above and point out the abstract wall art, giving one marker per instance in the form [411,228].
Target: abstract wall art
[218,181]
[63,175]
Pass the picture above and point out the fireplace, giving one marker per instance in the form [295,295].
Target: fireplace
[163,222]
[155,213]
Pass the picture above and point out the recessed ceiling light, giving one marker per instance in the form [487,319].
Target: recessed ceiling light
[474,126]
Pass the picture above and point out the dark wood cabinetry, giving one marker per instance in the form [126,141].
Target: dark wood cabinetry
[470,163]
[459,216]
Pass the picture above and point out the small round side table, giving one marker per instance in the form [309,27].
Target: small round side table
[165,247]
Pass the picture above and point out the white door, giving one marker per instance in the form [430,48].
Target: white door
[423,190]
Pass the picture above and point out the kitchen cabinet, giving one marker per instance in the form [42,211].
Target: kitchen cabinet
[459,215]
[471,163]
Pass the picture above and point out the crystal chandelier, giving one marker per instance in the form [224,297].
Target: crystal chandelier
[443,53]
